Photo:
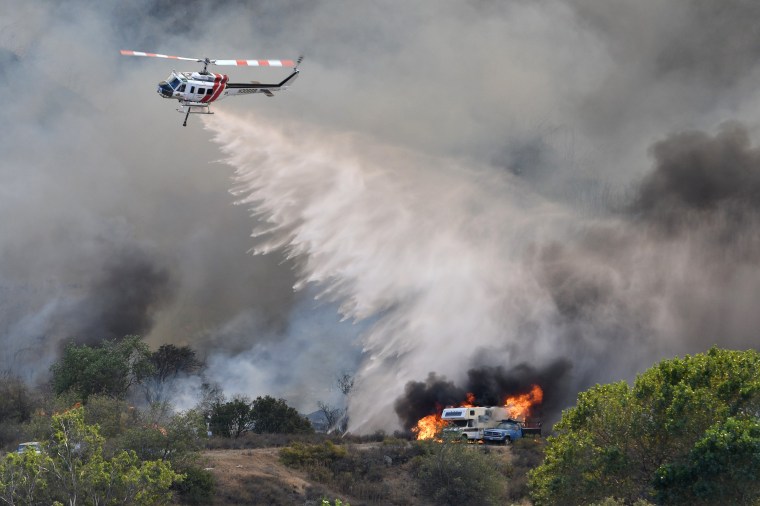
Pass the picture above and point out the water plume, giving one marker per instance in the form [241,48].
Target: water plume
[463,268]
[431,248]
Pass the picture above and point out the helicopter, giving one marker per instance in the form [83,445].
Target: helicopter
[196,90]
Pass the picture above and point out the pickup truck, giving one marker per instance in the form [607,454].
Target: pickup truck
[508,431]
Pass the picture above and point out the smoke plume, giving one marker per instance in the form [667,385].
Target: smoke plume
[563,191]
[490,386]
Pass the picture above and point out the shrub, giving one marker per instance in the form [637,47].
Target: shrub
[453,473]
[197,487]
[304,456]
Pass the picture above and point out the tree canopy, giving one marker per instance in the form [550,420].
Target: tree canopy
[274,415]
[73,468]
[109,369]
[263,415]
[232,418]
[686,433]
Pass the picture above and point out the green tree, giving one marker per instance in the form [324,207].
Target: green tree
[231,419]
[270,415]
[79,472]
[160,433]
[177,439]
[23,478]
[636,442]
[73,469]
[112,416]
[722,467]
[109,369]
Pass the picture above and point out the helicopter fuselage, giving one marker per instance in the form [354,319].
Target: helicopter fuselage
[199,88]
[194,87]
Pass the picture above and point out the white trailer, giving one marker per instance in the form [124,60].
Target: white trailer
[468,423]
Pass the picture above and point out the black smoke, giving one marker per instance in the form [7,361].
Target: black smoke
[697,175]
[424,398]
[674,272]
[123,298]
[490,386]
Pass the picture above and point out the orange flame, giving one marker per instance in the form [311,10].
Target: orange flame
[519,406]
[427,427]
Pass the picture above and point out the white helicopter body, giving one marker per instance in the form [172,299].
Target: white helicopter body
[195,91]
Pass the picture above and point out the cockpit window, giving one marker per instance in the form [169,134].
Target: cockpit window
[174,83]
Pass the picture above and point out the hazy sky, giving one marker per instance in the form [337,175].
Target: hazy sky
[465,184]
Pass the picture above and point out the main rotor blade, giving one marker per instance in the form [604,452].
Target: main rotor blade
[154,55]
[256,63]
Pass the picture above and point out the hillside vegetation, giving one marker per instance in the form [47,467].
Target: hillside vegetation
[686,432]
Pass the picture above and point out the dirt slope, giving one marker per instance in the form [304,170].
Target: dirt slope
[256,476]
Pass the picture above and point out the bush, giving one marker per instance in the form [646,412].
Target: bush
[527,453]
[177,439]
[454,473]
[197,487]
[612,501]
[111,415]
[305,456]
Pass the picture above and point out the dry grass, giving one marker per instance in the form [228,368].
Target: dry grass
[256,477]
[371,473]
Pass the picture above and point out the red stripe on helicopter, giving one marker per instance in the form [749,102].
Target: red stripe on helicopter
[220,82]
[206,96]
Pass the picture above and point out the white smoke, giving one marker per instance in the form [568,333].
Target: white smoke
[411,223]
[300,365]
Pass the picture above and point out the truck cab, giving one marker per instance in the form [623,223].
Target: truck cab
[505,432]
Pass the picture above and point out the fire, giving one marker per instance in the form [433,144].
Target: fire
[519,406]
[429,426]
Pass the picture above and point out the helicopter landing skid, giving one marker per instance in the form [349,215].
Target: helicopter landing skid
[189,109]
